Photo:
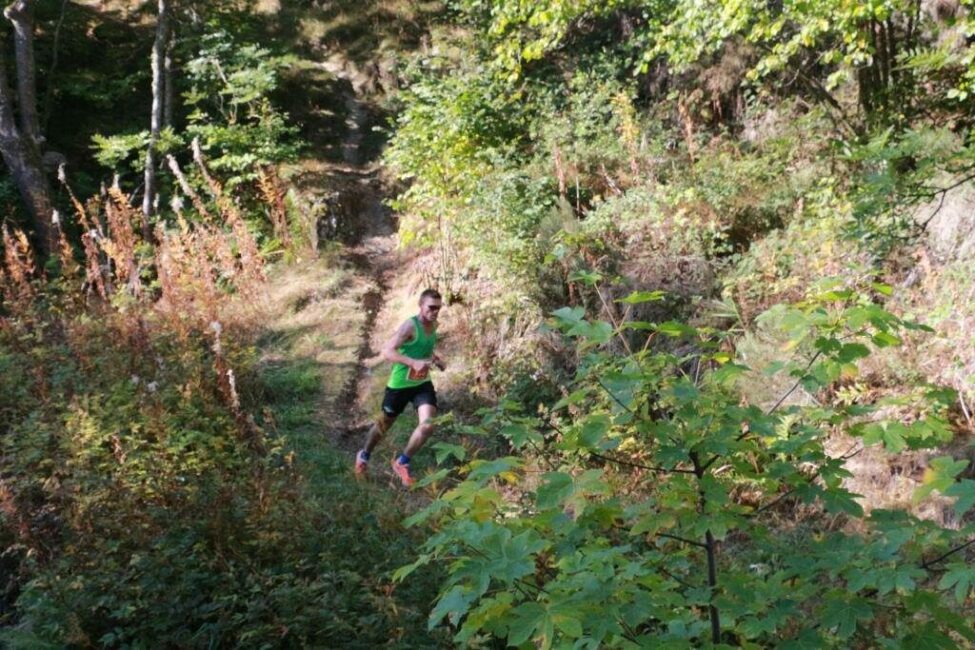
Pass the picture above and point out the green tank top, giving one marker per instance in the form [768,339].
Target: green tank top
[420,347]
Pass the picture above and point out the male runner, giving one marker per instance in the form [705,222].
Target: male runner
[411,352]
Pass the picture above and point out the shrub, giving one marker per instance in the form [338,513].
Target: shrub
[641,508]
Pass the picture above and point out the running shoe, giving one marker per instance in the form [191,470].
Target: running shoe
[361,464]
[403,472]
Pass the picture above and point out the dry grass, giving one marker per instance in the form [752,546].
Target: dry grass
[316,307]
[889,481]
[944,298]
[365,28]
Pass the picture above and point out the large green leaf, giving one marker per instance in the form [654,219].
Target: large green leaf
[961,577]
[843,612]
[964,490]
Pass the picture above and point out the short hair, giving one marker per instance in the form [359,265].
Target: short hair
[430,293]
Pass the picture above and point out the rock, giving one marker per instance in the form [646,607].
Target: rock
[950,223]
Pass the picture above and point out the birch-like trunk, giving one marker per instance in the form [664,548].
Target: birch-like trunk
[169,99]
[23,160]
[21,15]
[156,119]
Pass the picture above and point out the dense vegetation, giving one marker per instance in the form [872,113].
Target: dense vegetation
[709,256]
[162,481]
[725,195]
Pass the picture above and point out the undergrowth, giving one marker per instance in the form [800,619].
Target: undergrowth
[159,481]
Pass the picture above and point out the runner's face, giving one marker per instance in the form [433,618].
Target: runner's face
[430,309]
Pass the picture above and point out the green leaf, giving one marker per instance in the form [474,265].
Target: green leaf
[851,352]
[654,522]
[927,636]
[839,500]
[568,624]
[943,395]
[675,329]
[570,315]
[836,296]
[574,397]
[964,490]
[684,390]
[728,373]
[842,613]
[402,572]
[445,450]
[962,578]
[599,332]
[524,620]
[453,604]
[594,429]
[940,475]
[555,489]
[881,288]
[638,297]
[891,434]
[482,469]
[590,278]
[521,435]
[885,340]
[432,478]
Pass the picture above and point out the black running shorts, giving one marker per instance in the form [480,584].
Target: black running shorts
[396,399]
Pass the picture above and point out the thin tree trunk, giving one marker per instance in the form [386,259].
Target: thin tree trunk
[156,119]
[169,102]
[21,15]
[24,163]
[48,106]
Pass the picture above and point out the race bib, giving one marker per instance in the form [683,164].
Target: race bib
[415,375]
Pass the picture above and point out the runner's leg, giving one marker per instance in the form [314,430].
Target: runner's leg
[425,413]
[394,401]
[377,430]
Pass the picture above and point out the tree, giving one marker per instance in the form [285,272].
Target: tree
[643,509]
[20,144]
[161,105]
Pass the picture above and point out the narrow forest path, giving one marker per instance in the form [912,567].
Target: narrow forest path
[340,301]
[317,361]
[368,233]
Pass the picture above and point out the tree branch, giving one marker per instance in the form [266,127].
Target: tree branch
[850,453]
[683,540]
[55,49]
[961,547]
[795,385]
[614,397]
[944,193]
[652,468]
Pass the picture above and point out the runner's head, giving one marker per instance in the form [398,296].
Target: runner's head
[430,305]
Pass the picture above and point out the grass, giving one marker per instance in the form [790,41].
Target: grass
[309,353]
[361,28]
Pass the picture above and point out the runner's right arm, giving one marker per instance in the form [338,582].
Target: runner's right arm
[402,336]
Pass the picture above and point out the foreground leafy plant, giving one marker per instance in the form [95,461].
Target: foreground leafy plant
[650,506]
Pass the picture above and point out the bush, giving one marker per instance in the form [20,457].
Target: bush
[641,507]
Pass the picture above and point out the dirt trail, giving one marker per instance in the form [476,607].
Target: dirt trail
[369,233]
[349,305]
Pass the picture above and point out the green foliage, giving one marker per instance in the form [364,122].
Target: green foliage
[456,142]
[231,112]
[896,171]
[130,148]
[141,506]
[652,517]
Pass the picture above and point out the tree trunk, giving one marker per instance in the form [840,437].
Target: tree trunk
[21,15]
[24,162]
[48,106]
[169,102]
[156,119]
